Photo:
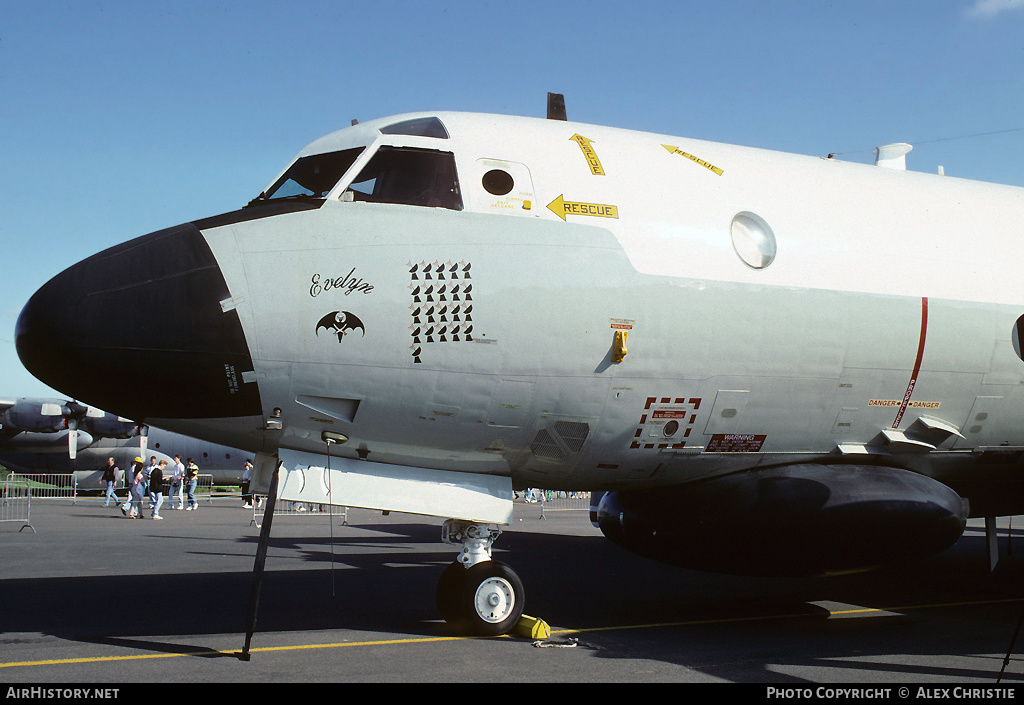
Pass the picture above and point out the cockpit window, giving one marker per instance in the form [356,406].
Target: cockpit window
[412,177]
[418,127]
[311,177]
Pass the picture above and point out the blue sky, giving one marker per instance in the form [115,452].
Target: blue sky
[120,118]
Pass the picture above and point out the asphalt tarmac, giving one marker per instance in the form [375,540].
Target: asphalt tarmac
[95,598]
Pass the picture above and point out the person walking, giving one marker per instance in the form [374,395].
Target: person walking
[149,486]
[156,488]
[133,507]
[191,478]
[246,478]
[111,474]
[177,483]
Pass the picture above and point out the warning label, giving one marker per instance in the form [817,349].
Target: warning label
[592,161]
[911,405]
[670,414]
[710,167]
[562,208]
[735,443]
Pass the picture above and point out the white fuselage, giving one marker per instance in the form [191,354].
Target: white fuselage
[775,307]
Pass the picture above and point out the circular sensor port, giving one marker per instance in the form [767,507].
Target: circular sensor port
[753,240]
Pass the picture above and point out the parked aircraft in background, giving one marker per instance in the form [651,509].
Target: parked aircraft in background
[57,436]
[767,363]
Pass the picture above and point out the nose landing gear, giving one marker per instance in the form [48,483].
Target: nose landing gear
[475,594]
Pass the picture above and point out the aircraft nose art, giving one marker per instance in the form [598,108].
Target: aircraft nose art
[139,329]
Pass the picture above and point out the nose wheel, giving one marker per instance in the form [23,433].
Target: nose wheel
[485,599]
[475,594]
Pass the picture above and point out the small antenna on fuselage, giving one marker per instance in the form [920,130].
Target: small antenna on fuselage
[556,107]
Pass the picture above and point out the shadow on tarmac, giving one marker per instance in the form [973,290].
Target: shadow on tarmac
[383,580]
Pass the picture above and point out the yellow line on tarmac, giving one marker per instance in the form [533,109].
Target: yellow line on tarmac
[206,653]
[794,615]
[905,608]
[90,659]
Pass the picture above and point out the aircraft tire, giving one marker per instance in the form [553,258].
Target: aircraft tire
[492,599]
[449,588]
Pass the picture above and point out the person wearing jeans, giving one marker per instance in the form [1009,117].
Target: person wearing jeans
[191,477]
[110,475]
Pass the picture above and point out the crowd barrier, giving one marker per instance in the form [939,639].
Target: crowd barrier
[16,503]
[49,486]
[284,508]
[557,501]
[204,490]
[55,486]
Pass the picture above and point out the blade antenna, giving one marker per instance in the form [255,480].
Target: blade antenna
[556,107]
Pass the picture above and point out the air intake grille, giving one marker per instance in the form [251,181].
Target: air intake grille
[573,433]
[544,446]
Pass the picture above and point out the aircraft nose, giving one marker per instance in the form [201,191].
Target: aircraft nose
[139,330]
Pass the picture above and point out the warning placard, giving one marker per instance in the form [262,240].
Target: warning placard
[735,443]
[669,414]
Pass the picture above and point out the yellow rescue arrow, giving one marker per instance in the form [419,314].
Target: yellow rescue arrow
[706,165]
[562,208]
[592,161]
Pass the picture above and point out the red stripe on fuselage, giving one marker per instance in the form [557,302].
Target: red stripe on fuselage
[917,362]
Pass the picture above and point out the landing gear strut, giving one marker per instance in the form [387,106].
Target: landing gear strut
[476,594]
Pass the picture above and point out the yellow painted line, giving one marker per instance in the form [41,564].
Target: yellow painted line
[940,605]
[97,659]
[206,653]
[592,161]
[698,160]
[794,615]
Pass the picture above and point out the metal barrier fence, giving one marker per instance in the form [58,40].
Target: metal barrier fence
[204,488]
[65,486]
[49,486]
[557,501]
[285,508]
[16,503]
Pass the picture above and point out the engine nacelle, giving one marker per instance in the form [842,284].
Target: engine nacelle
[795,520]
[33,442]
[110,426]
[28,415]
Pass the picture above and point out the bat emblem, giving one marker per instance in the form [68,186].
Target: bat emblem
[341,323]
